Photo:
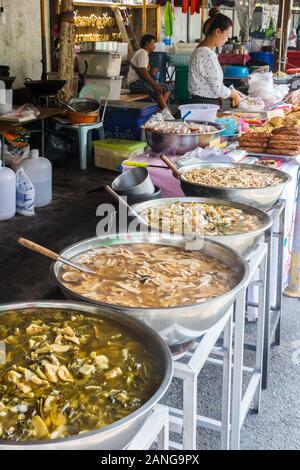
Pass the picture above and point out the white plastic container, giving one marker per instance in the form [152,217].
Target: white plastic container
[115,85]
[102,63]
[6,103]
[39,171]
[199,112]
[7,193]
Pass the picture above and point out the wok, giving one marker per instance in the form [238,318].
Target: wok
[44,87]
[117,435]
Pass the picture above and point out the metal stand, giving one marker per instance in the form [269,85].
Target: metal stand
[242,403]
[155,429]
[185,421]
[273,312]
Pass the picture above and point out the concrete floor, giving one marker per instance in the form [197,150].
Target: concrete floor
[72,217]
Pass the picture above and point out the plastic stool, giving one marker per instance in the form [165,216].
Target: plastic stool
[82,132]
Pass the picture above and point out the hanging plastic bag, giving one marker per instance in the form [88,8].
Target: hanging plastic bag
[261,85]
[25,194]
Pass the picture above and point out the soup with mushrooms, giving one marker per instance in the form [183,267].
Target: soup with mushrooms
[211,219]
[149,275]
[67,373]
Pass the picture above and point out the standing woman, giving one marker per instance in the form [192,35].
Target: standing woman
[205,72]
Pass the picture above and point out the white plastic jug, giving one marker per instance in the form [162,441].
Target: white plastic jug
[39,170]
[7,193]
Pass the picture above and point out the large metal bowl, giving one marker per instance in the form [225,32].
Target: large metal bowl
[261,198]
[118,435]
[242,242]
[177,325]
[178,144]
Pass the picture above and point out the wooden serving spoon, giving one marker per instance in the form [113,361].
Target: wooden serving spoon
[52,255]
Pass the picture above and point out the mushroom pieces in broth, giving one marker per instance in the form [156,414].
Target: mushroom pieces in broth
[149,276]
[66,373]
[195,217]
[232,177]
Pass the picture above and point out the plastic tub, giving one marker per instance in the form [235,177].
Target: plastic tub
[236,71]
[7,106]
[200,112]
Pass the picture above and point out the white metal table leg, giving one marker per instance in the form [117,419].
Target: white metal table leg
[238,369]
[260,329]
[155,426]
[189,413]
[226,386]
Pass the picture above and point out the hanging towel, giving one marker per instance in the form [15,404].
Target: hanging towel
[168,18]
[185,6]
[195,6]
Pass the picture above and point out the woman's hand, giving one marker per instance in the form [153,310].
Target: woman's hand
[235,98]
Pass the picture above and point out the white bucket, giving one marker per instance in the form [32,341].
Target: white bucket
[199,112]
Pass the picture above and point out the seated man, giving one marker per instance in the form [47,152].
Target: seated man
[141,79]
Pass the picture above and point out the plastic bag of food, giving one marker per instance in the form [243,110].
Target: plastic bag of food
[25,194]
[261,85]
[251,103]
[27,111]
[166,115]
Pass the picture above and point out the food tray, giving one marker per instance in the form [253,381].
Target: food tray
[284,158]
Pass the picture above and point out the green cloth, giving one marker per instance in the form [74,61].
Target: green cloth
[168,19]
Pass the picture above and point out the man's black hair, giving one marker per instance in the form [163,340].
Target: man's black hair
[147,38]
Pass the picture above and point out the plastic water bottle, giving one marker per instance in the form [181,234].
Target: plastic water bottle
[39,170]
[7,193]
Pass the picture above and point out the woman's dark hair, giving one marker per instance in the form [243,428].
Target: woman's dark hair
[215,21]
[147,38]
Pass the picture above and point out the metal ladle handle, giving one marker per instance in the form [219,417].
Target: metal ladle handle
[118,198]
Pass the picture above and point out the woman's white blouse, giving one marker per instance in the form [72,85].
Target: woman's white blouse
[206,75]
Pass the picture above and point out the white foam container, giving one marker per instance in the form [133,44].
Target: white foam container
[115,85]
[102,63]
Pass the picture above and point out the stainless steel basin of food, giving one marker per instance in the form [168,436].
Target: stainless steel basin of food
[262,198]
[242,242]
[178,144]
[119,434]
[176,325]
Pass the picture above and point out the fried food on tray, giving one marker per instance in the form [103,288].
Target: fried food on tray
[254,149]
[291,130]
[289,153]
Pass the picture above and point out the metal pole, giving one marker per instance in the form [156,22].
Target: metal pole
[43,36]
